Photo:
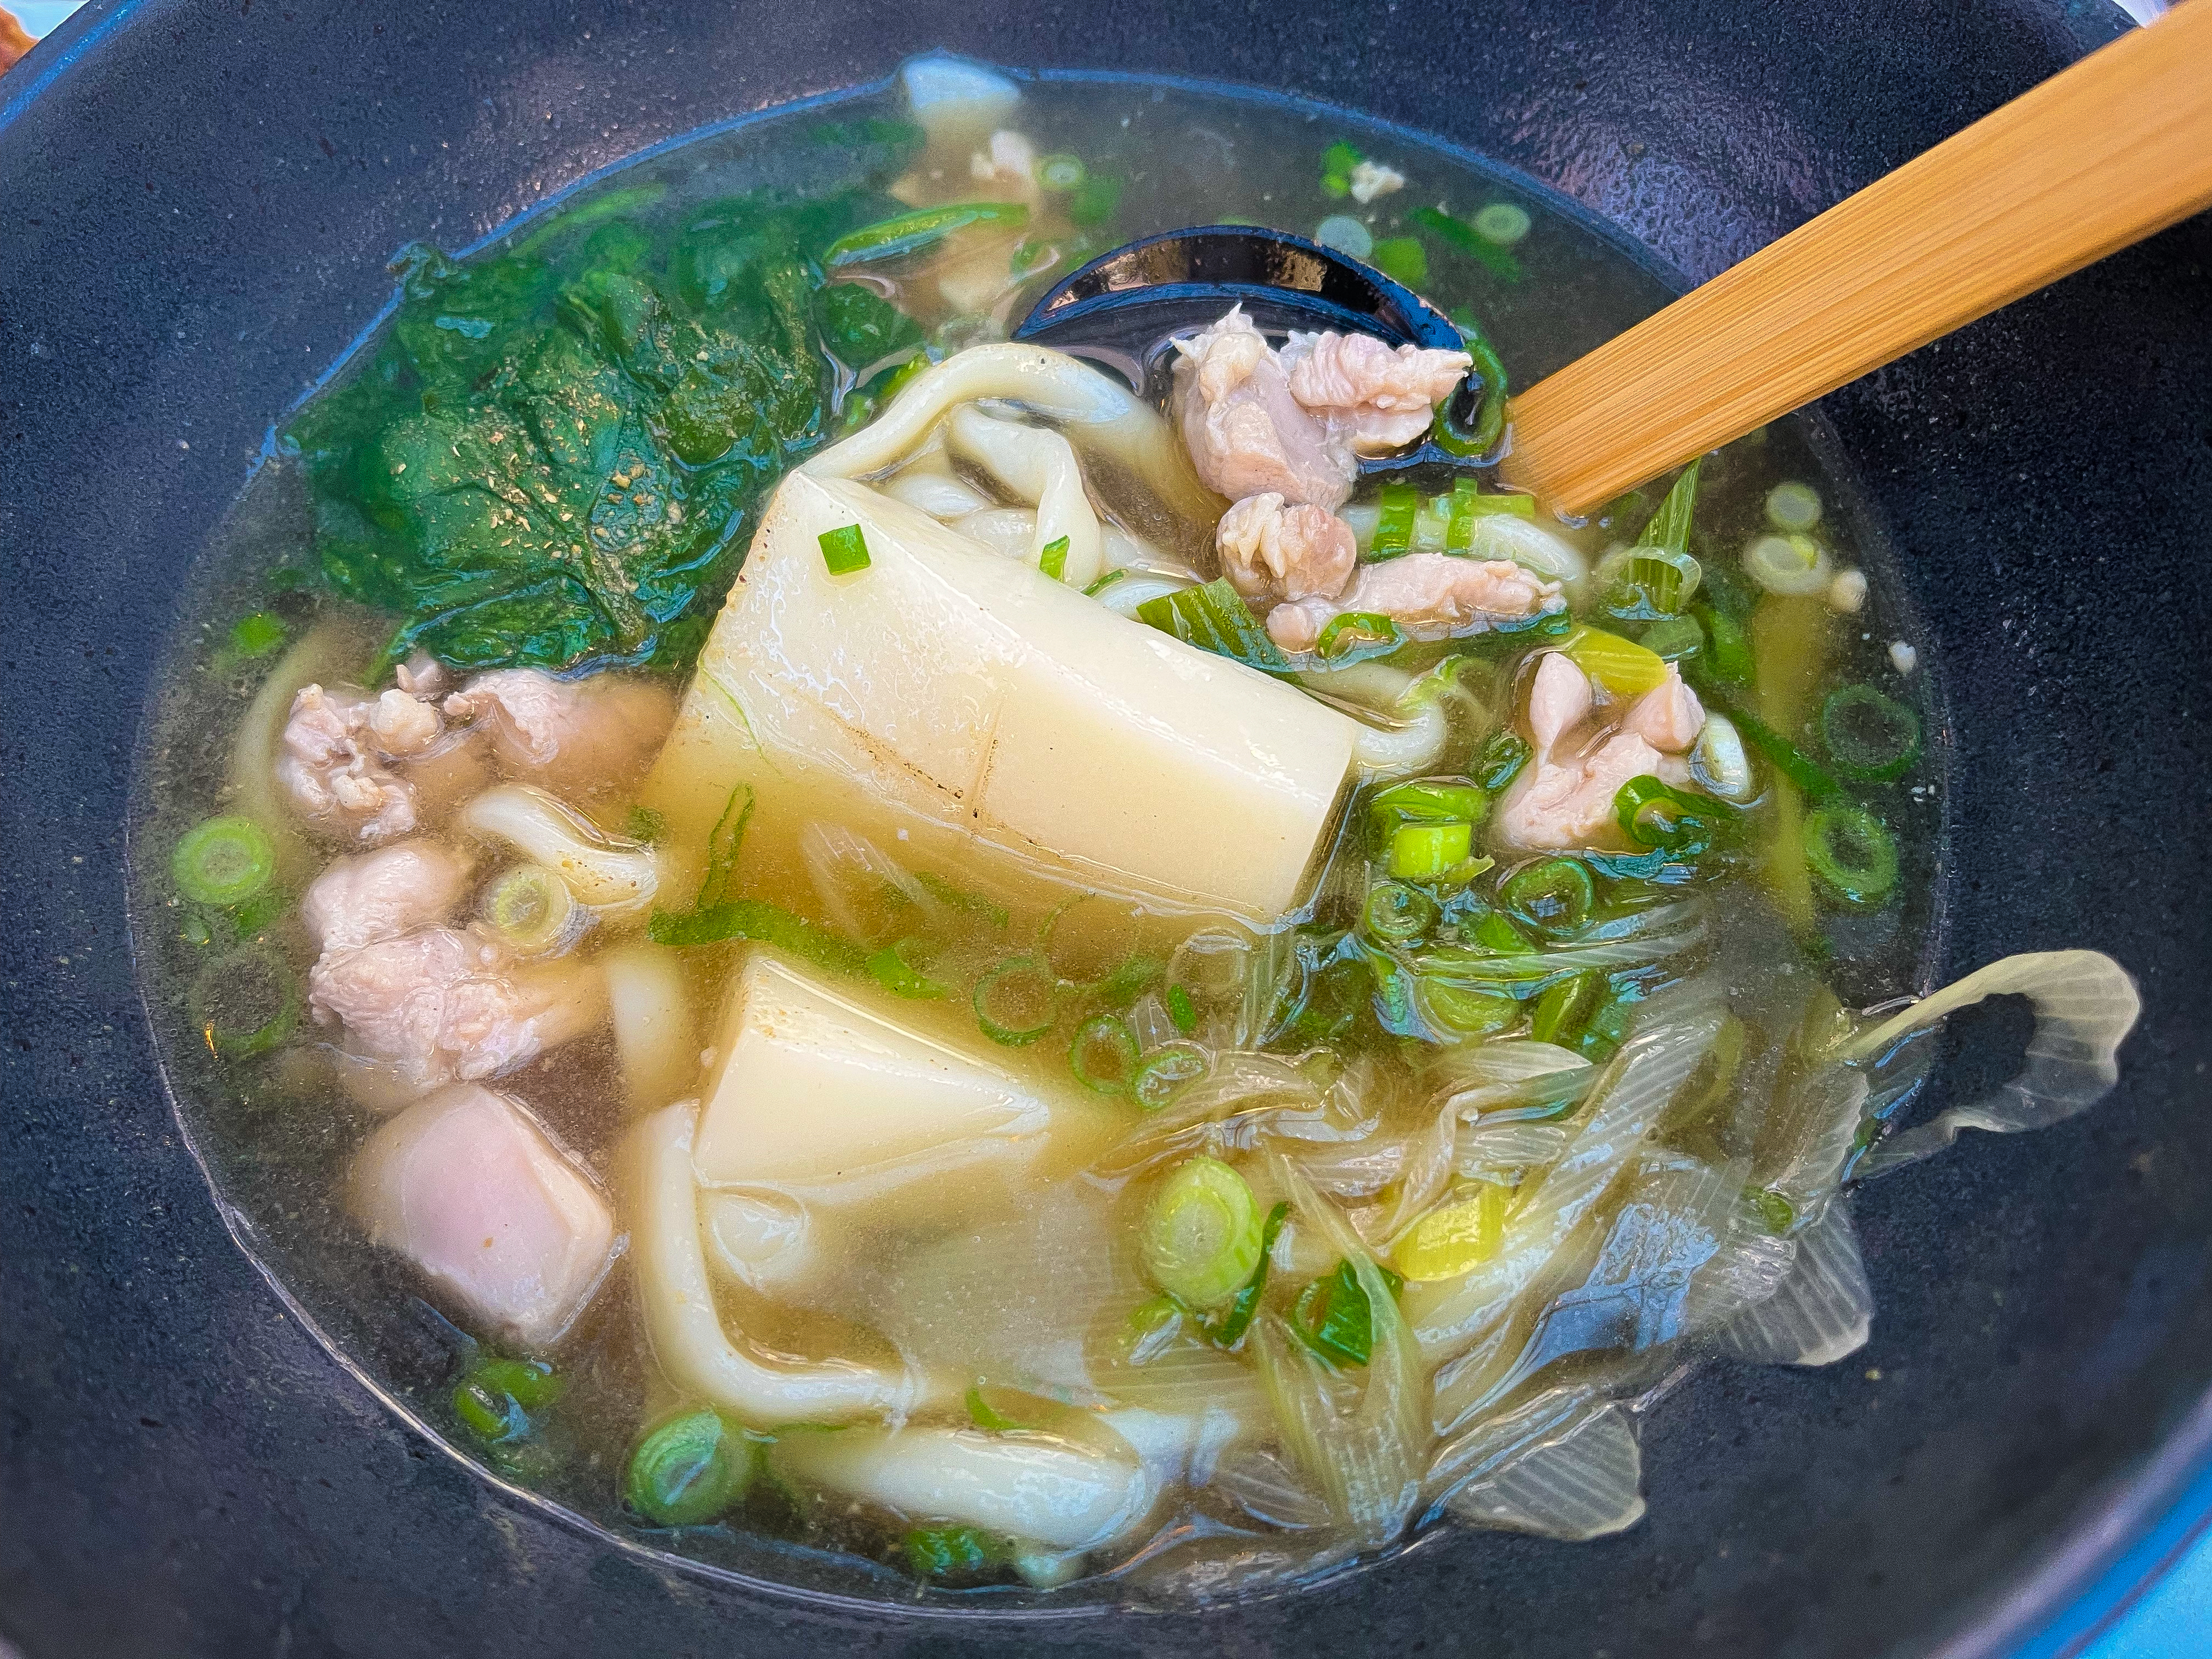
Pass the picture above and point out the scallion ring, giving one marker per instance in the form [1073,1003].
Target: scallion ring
[1793,507]
[1872,739]
[1395,913]
[245,1003]
[1165,1070]
[1016,1001]
[224,862]
[1555,897]
[1793,566]
[1062,171]
[1852,854]
[900,967]
[1103,1055]
[529,908]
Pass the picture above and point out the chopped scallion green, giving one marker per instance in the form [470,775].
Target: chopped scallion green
[1393,529]
[1402,259]
[844,550]
[1165,1070]
[245,1003]
[1669,526]
[1181,1013]
[1062,171]
[224,862]
[1651,814]
[1395,914]
[1214,617]
[1226,1329]
[1502,757]
[1564,1009]
[1852,854]
[909,232]
[1333,1317]
[1017,1002]
[1202,1232]
[1423,852]
[1052,559]
[1554,897]
[1465,237]
[895,969]
[1872,739]
[954,1554]
[689,1470]
[1502,223]
[1103,1055]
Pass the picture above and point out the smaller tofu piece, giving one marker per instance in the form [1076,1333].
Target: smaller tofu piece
[820,1093]
[467,1187]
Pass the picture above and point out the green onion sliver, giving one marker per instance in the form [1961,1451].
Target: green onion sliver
[844,550]
[1793,566]
[1426,801]
[1180,1013]
[1793,507]
[1393,529]
[1165,1070]
[895,969]
[1872,739]
[245,1003]
[1052,559]
[1201,1234]
[1555,897]
[1423,852]
[1345,234]
[256,634]
[689,1470]
[1462,1010]
[224,862]
[1395,913]
[1852,854]
[909,233]
[954,1554]
[1670,527]
[1364,632]
[1649,582]
[1402,259]
[494,1400]
[1062,171]
[1016,1001]
[1501,761]
[1502,223]
[1651,814]
[1563,1011]
[1103,1055]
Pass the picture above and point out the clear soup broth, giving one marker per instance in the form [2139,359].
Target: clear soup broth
[988,1205]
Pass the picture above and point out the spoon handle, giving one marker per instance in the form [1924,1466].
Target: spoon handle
[2103,154]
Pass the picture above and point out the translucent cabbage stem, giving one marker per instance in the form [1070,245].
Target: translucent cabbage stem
[1413,744]
[1099,414]
[1038,465]
[676,1301]
[1029,1486]
[614,877]
[655,1034]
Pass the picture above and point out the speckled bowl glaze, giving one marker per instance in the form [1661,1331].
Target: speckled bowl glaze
[199,198]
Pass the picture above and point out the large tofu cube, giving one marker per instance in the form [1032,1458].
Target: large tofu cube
[969,692]
[466,1186]
[822,1094]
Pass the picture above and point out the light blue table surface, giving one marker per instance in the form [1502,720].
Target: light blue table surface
[2172,1620]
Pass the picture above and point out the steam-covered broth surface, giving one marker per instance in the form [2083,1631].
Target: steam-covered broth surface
[844,949]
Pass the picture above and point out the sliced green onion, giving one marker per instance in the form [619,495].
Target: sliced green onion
[1128,981]
[1620,665]
[1395,913]
[529,908]
[1103,1055]
[1852,854]
[1352,635]
[224,862]
[1873,738]
[954,1554]
[245,1003]
[1062,171]
[1789,760]
[1564,1009]
[1106,580]
[1463,1010]
[1052,558]
[1670,527]
[984,1415]
[1226,1328]
[1337,162]
[1555,897]
[256,634]
[844,550]
[1457,1238]
[1165,1070]
[494,1400]
[1181,1013]
[1402,259]
[1345,234]
[1793,507]
[1422,852]
[1673,639]
[1469,503]
[1467,239]
[1652,815]
[1776,1213]
[1489,426]
[1202,1232]
[1093,201]
[895,969]
[1502,757]
[1494,932]
[1502,223]
[1334,1318]
[768,924]
[1793,566]
[1426,801]
[909,232]
[1649,582]
[689,1470]
[725,841]
[1393,529]
[1016,1001]
[959,898]
[1730,658]
[1214,617]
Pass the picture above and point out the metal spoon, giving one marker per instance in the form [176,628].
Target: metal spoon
[1124,309]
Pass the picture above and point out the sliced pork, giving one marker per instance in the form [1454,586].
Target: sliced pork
[1373,396]
[1247,434]
[1270,550]
[1429,595]
[593,735]
[380,895]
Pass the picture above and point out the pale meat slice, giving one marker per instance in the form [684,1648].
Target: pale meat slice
[1428,595]
[333,768]
[377,895]
[1247,434]
[1375,396]
[1271,551]
[439,1006]
[469,1188]
[1561,804]
[580,736]
[1668,717]
[1558,700]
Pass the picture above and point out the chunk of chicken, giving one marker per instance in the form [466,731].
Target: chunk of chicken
[438,1005]
[1554,804]
[1558,700]
[579,737]
[1247,434]
[1668,717]
[331,766]
[467,1187]
[1372,178]
[1373,396]
[1271,551]
[1428,595]
[380,895]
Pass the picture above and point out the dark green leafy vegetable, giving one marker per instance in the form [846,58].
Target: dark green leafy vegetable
[1334,1318]
[1852,854]
[1872,739]
[1214,617]
[689,1470]
[1673,639]
[1730,658]
[1464,237]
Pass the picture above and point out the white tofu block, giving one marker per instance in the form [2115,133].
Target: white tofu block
[819,1093]
[953,683]
[466,1186]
